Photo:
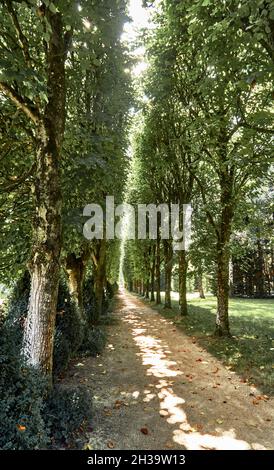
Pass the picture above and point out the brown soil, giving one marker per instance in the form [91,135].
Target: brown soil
[155,388]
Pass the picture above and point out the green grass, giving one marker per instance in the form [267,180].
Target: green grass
[251,350]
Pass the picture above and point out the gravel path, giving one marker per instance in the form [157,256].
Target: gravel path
[155,388]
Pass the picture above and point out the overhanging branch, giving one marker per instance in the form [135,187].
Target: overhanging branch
[28,108]
[23,42]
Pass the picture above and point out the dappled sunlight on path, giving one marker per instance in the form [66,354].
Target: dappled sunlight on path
[147,329]
[156,388]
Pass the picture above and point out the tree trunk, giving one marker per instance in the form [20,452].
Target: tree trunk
[143,288]
[201,286]
[222,319]
[260,271]
[99,277]
[147,290]
[223,257]
[182,282]
[75,268]
[168,253]
[158,270]
[44,266]
[152,279]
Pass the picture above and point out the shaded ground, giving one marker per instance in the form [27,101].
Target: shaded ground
[251,352]
[156,388]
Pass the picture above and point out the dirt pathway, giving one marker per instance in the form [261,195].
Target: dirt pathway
[155,388]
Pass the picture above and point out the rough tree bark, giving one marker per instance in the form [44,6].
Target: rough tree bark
[152,275]
[147,290]
[44,266]
[76,267]
[183,264]
[200,285]
[158,268]
[168,254]
[99,260]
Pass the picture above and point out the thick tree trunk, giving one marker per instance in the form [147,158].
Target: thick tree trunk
[44,266]
[75,268]
[158,270]
[183,264]
[222,319]
[223,257]
[168,254]
[231,280]
[100,277]
[152,278]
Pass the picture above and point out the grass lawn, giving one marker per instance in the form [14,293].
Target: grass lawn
[251,350]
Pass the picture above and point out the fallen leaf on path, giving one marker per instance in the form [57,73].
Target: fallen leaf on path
[219,421]
[262,397]
[117,405]
[198,427]
[21,428]
[255,402]
[110,445]
[216,370]
[144,431]
[199,360]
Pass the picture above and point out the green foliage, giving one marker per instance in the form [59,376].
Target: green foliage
[94,341]
[66,412]
[206,127]
[89,300]
[22,391]
[69,331]
[30,419]
[17,311]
